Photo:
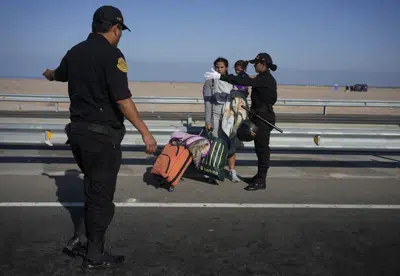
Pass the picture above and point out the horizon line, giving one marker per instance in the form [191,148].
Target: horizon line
[171,81]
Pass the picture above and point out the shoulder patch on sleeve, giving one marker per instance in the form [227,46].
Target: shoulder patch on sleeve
[121,65]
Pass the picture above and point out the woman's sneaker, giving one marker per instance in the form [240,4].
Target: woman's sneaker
[233,176]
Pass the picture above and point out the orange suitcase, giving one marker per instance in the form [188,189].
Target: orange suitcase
[171,164]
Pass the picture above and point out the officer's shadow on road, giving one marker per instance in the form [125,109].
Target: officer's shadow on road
[70,189]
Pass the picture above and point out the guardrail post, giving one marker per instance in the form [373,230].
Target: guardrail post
[189,121]
[56,107]
[324,109]
[152,107]
[47,137]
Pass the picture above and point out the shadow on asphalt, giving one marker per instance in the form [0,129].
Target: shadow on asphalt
[239,162]
[190,173]
[70,188]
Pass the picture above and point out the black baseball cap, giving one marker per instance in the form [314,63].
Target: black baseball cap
[110,14]
[262,57]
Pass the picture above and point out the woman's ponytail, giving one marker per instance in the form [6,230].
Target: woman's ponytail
[272,66]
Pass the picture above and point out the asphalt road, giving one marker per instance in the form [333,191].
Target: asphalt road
[215,241]
[199,116]
[210,240]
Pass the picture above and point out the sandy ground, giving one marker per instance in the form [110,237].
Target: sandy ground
[37,86]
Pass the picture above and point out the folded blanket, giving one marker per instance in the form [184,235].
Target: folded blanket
[196,144]
[233,113]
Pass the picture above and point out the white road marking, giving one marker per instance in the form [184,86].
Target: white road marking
[207,205]
[245,175]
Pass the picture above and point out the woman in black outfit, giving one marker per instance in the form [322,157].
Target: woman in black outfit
[263,98]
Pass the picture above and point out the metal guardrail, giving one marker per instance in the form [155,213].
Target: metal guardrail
[195,100]
[292,138]
[358,119]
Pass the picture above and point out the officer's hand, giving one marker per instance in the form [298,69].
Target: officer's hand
[208,126]
[212,75]
[252,134]
[49,74]
[151,144]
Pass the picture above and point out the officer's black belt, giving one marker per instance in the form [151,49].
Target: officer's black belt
[265,108]
[98,128]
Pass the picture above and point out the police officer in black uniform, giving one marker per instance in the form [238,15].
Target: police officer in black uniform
[96,72]
[263,97]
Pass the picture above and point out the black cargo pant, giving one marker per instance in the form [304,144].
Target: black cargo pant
[99,158]
[261,143]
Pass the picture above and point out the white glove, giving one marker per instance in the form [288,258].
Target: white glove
[212,75]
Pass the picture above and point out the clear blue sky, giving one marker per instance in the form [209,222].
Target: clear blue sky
[311,41]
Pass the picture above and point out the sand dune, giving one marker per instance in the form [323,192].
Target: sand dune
[37,86]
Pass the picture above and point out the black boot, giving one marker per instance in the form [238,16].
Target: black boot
[250,180]
[98,259]
[74,247]
[106,260]
[258,182]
